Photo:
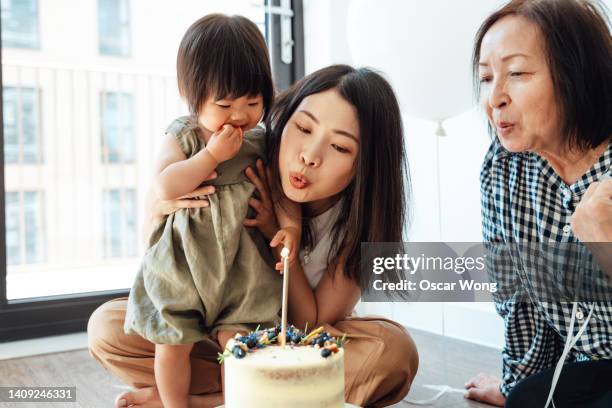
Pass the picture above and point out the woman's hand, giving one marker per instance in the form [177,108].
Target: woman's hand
[156,209]
[265,219]
[485,388]
[195,199]
[290,238]
[592,223]
[592,220]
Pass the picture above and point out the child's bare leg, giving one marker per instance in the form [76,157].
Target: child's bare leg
[149,398]
[223,337]
[173,374]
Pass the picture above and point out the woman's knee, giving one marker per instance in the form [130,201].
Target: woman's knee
[401,355]
[103,325]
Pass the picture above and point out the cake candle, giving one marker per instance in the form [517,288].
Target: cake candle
[283,333]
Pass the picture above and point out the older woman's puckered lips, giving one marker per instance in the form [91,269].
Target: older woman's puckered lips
[504,128]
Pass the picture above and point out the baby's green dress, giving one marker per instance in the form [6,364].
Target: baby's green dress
[204,270]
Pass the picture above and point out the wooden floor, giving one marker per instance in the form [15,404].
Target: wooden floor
[443,361]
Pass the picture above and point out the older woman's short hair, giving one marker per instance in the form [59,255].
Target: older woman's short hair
[578,47]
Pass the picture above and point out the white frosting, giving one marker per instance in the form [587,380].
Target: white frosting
[285,377]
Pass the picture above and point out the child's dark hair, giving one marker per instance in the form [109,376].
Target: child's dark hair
[374,204]
[223,56]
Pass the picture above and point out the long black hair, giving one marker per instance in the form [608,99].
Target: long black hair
[374,204]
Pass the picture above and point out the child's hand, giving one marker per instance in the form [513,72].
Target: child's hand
[290,238]
[225,144]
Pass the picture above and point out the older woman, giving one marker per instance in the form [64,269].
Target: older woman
[335,147]
[544,71]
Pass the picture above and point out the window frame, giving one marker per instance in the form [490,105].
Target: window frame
[285,74]
[54,315]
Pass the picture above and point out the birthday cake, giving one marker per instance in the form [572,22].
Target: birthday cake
[307,372]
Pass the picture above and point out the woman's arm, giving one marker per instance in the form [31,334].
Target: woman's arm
[333,299]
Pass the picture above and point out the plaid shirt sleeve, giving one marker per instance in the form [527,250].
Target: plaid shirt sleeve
[531,345]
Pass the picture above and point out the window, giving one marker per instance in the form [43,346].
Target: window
[83,119]
[117,129]
[21,126]
[24,228]
[120,238]
[114,27]
[13,234]
[20,24]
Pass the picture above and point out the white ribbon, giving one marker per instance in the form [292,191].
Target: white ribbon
[569,343]
[442,389]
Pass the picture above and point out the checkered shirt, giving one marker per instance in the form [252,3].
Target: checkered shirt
[524,200]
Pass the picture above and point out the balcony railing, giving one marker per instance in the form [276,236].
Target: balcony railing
[84,143]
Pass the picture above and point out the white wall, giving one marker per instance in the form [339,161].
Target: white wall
[325,41]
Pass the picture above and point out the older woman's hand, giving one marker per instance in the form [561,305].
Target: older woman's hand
[485,388]
[592,220]
[265,219]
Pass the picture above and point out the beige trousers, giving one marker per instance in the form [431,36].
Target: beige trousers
[380,359]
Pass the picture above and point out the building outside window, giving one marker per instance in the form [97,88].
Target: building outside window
[114,27]
[24,227]
[117,116]
[22,142]
[20,24]
[80,134]
[120,238]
